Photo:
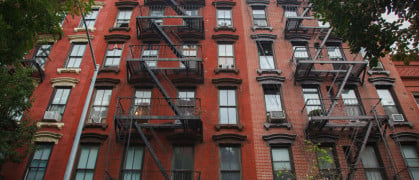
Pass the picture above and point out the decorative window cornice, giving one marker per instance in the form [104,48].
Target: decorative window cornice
[47,136]
[64,81]
[298,38]
[324,138]
[225,4]
[274,139]
[257,2]
[126,4]
[263,37]
[225,37]
[226,82]
[107,82]
[98,4]
[79,38]
[270,80]
[229,138]
[46,38]
[404,137]
[117,38]
[93,138]
[382,81]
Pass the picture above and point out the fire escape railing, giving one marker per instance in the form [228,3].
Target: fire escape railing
[38,72]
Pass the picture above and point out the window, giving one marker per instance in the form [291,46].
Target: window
[85,168]
[224,17]
[113,54]
[411,157]
[300,52]
[416,97]
[183,163]
[150,55]
[76,55]
[328,169]
[336,54]
[281,162]
[225,56]
[389,104]
[290,11]
[99,109]
[59,100]
[228,106]
[193,23]
[156,12]
[142,102]
[352,103]
[272,99]
[230,165]
[313,101]
[133,163]
[90,19]
[373,168]
[123,18]
[190,51]
[266,55]
[41,54]
[259,17]
[186,102]
[38,165]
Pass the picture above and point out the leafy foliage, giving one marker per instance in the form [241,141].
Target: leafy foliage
[360,22]
[21,24]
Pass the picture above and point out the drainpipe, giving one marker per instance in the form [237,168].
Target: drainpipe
[75,146]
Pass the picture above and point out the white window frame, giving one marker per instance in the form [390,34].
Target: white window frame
[75,55]
[227,100]
[123,18]
[226,59]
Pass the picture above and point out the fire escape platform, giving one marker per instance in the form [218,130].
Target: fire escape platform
[37,71]
[328,69]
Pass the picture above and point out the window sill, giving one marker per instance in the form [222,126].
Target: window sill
[68,70]
[268,71]
[378,72]
[102,126]
[401,124]
[109,69]
[127,29]
[42,124]
[224,70]
[254,28]
[277,125]
[77,29]
[225,28]
[239,127]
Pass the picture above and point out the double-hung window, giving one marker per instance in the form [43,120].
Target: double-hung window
[41,54]
[224,17]
[352,103]
[290,11]
[123,18]
[183,163]
[312,101]
[193,23]
[226,56]
[259,16]
[327,162]
[336,54]
[142,102]
[157,12]
[389,105]
[282,163]
[411,158]
[100,104]
[373,168]
[38,165]
[274,110]
[85,168]
[186,102]
[230,165]
[113,54]
[266,55]
[228,106]
[150,54]
[190,52]
[133,163]
[59,101]
[90,19]
[75,56]
[300,52]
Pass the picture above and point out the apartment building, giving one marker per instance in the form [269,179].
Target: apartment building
[216,89]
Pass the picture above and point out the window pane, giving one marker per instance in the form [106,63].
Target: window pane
[386,97]
[280,154]
[230,158]
[183,158]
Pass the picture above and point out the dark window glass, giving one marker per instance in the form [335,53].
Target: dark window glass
[230,163]
[41,54]
[133,163]
[183,163]
[39,162]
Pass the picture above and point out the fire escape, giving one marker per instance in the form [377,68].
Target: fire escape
[179,25]
[361,118]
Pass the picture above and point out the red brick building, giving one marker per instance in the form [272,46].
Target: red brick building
[216,89]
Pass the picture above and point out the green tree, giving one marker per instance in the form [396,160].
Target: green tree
[361,24]
[21,24]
